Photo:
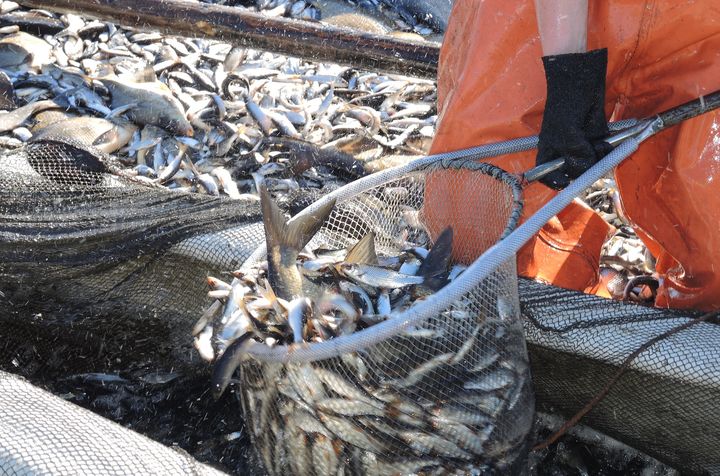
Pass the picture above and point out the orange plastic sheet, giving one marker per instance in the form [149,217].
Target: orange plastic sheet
[491,87]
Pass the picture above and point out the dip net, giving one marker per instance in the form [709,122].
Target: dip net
[442,386]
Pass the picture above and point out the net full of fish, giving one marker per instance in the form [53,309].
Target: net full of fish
[449,395]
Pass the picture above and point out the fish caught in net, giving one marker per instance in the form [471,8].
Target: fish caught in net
[449,391]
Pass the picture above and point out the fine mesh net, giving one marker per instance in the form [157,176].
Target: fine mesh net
[101,280]
[665,404]
[79,230]
[37,425]
[450,393]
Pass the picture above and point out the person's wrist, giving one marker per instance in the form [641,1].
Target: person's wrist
[596,59]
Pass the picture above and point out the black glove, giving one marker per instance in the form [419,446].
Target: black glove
[574,117]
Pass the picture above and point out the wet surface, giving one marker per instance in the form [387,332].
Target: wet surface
[121,374]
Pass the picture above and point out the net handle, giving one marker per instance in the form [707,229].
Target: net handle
[480,269]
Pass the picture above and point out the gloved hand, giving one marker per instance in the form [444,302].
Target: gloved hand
[574,117]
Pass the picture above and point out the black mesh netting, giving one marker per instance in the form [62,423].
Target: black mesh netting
[101,281]
[665,404]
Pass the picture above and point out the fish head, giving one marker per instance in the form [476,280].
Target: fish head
[117,136]
[180,127]
[346,269]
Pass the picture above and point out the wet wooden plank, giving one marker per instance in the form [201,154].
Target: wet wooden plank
[309,40]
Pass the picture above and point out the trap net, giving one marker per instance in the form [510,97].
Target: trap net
[100,272]
[665,404]
[446,390]
[101,278]
[79,229]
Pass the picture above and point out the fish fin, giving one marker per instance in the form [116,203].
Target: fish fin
[302,229]
[276,228]
[363,251]
[280,305]
[111,136]
[435,265]
[227,363]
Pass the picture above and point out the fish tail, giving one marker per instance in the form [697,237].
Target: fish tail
[227,363]
[291,235]
[434,267]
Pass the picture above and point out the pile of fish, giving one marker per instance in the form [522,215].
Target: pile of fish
[423,17]
[253,116]
[198,115]
[626,264]
[434,398]
[316,419]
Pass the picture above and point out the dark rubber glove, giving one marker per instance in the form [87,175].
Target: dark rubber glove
[574,118]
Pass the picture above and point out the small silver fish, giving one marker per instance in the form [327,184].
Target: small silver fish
[235,56]
[427,443]
[464,436]
[378,277]
[299,310]
[431,274]
[383,303]
[341,386]
[355,290]
[228,362]
[325,461]
[343,407]
[298,445]
[309,423]
[421,371]
[208,183]
[453,414]
[207,317]
[347,431]
[490,382]
[172,167]
[306,382]
[258,114]
[226,182]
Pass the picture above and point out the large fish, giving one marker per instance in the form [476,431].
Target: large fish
[152,103]
[107,135]
[433,12]
[17,117]
[342,14]
[22,52]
